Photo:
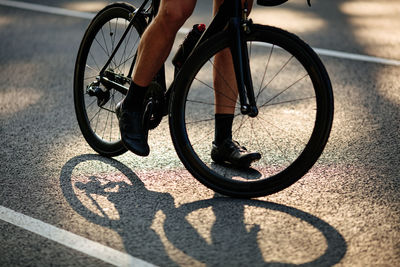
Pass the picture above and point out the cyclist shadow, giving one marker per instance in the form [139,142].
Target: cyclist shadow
[154,230]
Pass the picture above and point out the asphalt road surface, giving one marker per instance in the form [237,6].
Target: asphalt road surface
[61,204]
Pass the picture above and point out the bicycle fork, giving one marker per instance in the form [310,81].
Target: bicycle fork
[239,24]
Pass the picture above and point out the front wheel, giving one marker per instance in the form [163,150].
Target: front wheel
[295,102]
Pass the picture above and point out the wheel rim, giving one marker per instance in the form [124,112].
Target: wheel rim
[102,119]
[283,132]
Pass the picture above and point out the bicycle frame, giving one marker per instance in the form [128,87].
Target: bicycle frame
[230,17]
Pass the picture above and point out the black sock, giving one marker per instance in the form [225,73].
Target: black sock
[223,127]
[134,98]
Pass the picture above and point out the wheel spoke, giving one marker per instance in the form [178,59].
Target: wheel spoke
[255,137]
[89,67]
[287,101]
[222,76]
[90,77]
[240,125]
[276,74]
[126,61]
[276,144]
[218,92]
[211,104]
[265,72]
[284,90]
[102,48]
[94,60]
[280,129]
[126,41]
[200,121]
[105,125]
[94,101]
[105,43]
[206,135]
[219,73]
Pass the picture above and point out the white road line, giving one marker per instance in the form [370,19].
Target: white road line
[47,9]
[86,15]
[70,240]
[357,57]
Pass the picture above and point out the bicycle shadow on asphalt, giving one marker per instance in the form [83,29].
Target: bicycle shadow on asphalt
[176,240]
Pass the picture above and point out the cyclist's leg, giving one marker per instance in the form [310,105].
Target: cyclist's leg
[226,93]
[157,41]
[154,48]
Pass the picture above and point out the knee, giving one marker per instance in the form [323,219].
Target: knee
[174,13]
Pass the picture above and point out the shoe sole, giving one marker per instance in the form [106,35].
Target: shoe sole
[245,164]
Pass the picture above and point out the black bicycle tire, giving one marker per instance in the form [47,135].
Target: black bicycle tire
[314,147]
[271,2]
[113,10]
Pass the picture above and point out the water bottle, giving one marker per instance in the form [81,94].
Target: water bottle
[186,47]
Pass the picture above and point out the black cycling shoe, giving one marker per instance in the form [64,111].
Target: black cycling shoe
[133,131]
[230,151]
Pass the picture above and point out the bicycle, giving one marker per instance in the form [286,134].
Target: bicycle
[284,109]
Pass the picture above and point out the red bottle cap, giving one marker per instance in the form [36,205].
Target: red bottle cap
[201,27]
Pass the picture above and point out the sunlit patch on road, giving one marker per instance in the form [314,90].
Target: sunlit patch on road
[14,100]
[86,6]
[368,18]
[291,20]
[5,20]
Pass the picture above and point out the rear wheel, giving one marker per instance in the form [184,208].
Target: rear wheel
[295,103]
[94,102]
